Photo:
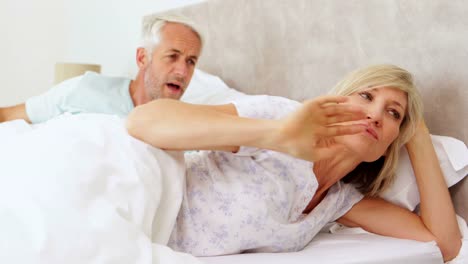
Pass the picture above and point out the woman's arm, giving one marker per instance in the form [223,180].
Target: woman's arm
[437,210]
[174,125]
[437,220]
[381,217]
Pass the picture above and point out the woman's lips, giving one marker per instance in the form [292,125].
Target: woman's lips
[369,129]
[372,133]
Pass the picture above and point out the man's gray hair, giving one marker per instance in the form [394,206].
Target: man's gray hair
[152,25]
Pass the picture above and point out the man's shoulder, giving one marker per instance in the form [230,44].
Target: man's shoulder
[94,81]
[102,85]
[99,80]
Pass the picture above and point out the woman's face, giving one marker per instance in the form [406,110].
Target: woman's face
[385,108]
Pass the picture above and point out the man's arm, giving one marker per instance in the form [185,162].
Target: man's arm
[13,113]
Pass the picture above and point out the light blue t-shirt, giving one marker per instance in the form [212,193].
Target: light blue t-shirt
[89,93]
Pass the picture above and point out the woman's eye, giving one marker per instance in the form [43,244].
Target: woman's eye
[395,114]
[366,95]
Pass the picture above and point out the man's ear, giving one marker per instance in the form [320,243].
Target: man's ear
[142,58]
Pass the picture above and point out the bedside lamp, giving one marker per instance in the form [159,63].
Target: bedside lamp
[64,70]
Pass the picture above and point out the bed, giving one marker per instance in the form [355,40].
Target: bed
[301,48]
[90,193]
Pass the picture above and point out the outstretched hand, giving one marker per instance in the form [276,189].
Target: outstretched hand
[309,133]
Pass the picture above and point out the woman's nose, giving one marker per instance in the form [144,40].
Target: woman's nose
[376,121]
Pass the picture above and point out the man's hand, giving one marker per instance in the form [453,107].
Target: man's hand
[13,113]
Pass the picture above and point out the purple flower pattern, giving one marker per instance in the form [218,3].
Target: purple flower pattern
[252,201]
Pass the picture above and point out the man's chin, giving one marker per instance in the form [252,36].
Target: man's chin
[171,96]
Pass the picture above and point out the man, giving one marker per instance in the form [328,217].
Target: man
[166,61]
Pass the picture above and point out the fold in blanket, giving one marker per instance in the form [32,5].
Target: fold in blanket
[79,189]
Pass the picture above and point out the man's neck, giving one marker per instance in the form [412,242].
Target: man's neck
[136,93]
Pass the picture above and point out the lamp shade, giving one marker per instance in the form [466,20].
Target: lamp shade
[64,70]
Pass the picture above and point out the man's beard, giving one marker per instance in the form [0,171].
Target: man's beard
[152,86]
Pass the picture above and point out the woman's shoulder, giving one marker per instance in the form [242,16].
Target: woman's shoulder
[265,106]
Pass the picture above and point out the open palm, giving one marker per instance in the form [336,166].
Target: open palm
[309,132]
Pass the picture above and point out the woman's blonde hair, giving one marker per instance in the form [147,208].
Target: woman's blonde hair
[371,178]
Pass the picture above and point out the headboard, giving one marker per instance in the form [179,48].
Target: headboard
[301,48]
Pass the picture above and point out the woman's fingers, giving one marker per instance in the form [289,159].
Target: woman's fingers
[330,99]
[340,109]
[343,113]
[340,130]
[346,119]
[320,115]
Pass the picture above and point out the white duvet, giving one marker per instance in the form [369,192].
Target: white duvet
[79,189]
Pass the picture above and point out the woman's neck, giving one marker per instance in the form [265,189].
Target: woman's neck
[331,170]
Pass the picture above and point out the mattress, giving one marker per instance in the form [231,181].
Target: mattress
[327,248]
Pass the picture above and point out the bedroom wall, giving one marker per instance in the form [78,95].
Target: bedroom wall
[109,32]
[31,41]
[37,34]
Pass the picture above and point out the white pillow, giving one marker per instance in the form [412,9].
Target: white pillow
[452,153]
[205,88]
[453,158]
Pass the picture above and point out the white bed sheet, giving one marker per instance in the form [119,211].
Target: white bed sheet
[336,244]
[79,189]
[327,248]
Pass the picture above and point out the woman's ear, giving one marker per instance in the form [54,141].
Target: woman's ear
[142,59]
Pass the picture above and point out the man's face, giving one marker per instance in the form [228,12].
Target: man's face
[172,63]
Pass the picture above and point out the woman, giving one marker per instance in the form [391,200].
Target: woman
[278,171]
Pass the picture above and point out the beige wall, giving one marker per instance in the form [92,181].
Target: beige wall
[31,41]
